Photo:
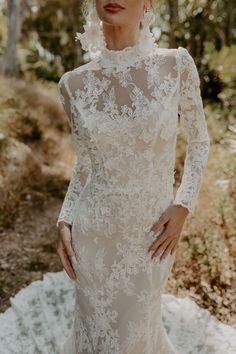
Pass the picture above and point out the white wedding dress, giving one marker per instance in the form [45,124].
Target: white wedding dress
[124,108]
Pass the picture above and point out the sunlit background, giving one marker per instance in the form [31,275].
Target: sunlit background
[37,45]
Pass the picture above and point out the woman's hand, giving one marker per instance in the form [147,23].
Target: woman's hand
[64,248]
[173,219]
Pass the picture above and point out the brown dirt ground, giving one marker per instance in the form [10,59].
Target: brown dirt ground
[29,250]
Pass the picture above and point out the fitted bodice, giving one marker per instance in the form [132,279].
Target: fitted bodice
[124,108]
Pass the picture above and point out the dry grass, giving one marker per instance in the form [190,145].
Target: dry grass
[205,266]
[36,159]
[32,162]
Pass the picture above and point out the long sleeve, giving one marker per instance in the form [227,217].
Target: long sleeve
[81,168]
[193,124]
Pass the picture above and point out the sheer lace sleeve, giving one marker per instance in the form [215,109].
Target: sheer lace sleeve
[193,124]
[81,168]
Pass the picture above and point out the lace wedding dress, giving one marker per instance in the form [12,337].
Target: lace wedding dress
[124,107]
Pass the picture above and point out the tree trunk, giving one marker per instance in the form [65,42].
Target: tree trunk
[173,21]
[9,65]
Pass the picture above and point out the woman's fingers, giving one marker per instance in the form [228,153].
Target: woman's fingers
[158,249]
[69,266]
[68,247]
[174,248]
[168,248]
[65,261]
[160,223]
[65,250]
[165,235]
[65,237]
[172,220]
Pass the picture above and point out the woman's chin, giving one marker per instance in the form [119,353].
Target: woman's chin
[115,19]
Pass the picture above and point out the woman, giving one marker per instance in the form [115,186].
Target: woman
[120,223]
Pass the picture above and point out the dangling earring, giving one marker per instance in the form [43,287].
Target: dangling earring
[146,36]
[148,18]
[92,39]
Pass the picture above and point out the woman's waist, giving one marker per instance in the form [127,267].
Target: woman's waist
[120,207]
[119,199]
[140,188]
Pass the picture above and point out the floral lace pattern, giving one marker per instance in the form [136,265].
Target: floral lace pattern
[123,111]
[41,316]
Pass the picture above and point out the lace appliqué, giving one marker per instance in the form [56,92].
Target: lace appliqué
[124,121]
[193,124]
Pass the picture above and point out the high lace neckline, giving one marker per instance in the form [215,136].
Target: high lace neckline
[93,41]
[128,55]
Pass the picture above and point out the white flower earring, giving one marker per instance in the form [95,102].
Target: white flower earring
[92,39]
[147,38]
[148,18]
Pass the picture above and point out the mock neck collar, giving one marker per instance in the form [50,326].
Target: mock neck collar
[129,55]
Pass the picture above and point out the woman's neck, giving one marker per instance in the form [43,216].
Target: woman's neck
[119,37]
